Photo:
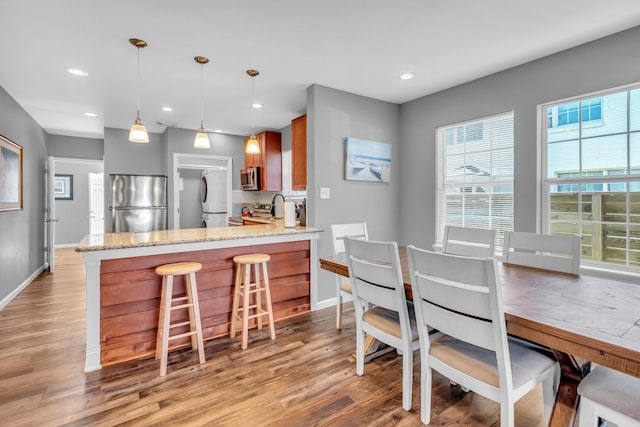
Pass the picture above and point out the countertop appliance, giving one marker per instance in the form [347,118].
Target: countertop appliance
[262,210]
[138,203]
[214,192]
[250,179]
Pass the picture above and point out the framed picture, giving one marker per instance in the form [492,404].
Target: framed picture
[63,187]
[367,160]
[10,175]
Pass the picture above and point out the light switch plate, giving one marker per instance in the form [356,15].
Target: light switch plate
[325,192]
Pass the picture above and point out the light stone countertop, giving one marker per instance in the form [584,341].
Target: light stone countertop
[100,242]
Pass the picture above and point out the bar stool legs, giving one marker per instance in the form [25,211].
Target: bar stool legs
[244,288]
[168,304]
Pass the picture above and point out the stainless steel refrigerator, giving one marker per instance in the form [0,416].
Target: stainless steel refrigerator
[138,203]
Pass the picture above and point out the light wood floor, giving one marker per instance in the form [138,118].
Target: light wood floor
[305,378]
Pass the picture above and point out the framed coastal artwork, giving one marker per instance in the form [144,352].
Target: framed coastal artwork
[10,175]
[63,187]
[367,160]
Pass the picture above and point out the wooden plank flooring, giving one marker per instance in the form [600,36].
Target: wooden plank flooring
[305,378]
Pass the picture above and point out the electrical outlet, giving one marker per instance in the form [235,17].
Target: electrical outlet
[325,192]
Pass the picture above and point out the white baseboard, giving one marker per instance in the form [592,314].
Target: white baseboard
[22,286]
[331,302]
[67,245]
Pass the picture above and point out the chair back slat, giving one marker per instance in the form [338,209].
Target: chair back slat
[544,251]
[376,273]
[377,295]
[468,241]
[463,327]
[356,230]
[472,300]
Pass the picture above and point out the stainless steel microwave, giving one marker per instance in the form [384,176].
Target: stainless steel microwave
[250,179]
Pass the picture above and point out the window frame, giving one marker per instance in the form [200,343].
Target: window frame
[606,269]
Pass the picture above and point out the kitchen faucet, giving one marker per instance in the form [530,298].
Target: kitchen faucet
[273,203]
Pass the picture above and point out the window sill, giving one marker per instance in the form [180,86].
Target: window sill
[625,276]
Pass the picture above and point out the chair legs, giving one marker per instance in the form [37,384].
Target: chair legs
[407,377]
[338,305]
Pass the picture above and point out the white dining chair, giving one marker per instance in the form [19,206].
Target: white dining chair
[461,298]
[338,233]
[610,395]
[545,251]
[469,241]
[381,305]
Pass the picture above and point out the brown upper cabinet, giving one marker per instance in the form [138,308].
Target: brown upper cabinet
[299,153]
[269,160]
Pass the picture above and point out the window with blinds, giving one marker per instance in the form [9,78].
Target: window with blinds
[475,175]
[591,184]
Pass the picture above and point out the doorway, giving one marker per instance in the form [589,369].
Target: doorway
[187,172]
[69,216]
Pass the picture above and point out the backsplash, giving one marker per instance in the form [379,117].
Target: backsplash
[241,198]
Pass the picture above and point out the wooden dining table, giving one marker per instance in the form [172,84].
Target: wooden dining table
[582,319]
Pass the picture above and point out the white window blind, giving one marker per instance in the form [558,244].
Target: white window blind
[475,175]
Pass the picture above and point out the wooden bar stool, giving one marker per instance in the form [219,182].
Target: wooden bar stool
[244,288]
[168,304]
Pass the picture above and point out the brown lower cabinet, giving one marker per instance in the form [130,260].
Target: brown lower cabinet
[130,294]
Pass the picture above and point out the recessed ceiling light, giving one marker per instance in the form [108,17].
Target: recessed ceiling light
[77,72]
[167,108]
[88,114]
[406,76]
[256,106]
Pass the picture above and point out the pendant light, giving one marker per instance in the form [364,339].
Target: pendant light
[138,132]
[252,146]
[202,138]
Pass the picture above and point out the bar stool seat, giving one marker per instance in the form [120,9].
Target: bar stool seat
[168,304]
[244,288]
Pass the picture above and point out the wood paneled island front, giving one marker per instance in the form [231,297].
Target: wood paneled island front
[123,291]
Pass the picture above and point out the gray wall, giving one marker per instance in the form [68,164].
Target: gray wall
[75,147]
[333,115]
[122,156]
[73,215]
[22,249]
[602,64]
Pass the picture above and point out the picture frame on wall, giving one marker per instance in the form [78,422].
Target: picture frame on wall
[63,187]
[10,175]
[367,160]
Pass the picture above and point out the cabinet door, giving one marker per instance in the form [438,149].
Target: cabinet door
[270,161]
[299,153]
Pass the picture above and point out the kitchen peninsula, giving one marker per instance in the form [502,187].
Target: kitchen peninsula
[123,291]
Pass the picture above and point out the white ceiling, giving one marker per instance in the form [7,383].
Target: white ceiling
[359,46]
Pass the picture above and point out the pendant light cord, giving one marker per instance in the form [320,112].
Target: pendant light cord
[138,104]
[253,133]
[201,97]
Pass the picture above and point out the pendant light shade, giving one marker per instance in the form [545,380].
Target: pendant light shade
[252,146]
[202,138]
[138,132]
